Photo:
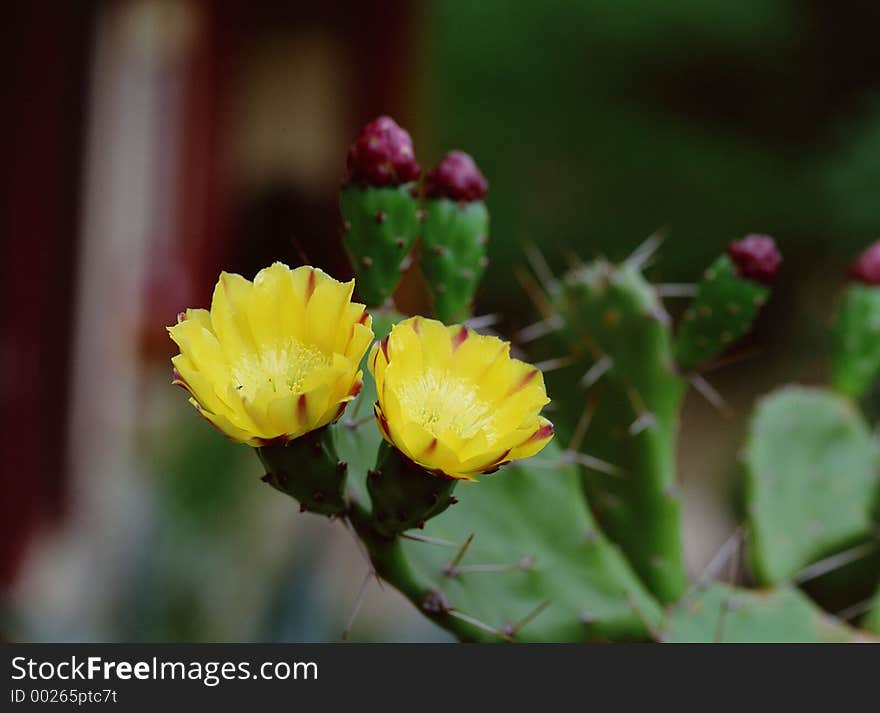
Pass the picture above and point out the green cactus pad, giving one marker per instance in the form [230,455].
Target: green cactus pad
[613,314]
[725,614]
[535,546]
[811,479]
[515,513]
[856,341]
[723,310]
[379,226]
[454,238]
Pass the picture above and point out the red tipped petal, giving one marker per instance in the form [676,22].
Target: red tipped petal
[524,381]
[459,338]
[541,434]
[310,287]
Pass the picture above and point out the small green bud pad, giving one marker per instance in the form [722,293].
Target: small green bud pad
[454,240]
[724,309]
[379,226]
[404,495]
[856,341]
[309,470]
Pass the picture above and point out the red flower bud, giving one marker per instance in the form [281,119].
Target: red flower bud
[756,258]
[866,267]
[382,155]
[456,177]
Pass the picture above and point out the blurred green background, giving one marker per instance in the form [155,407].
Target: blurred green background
[212,135]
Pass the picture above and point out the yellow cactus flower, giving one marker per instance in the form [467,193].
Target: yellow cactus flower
[454,401]
[274,358]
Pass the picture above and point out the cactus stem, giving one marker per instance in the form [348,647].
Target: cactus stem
[540,267]
[555,363]
[829,564]
[597,371]
[358,602]
[538,329]
[642,255]
[710,393]
[513,629]
[478,624]
[428,540]
[674,289]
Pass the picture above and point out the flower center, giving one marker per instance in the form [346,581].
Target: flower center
[282,368]
[442,403]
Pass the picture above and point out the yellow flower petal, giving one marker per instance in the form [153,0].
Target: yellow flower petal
[454,401]
[276,358]
[229,315]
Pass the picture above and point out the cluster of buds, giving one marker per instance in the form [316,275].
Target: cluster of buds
[383,214]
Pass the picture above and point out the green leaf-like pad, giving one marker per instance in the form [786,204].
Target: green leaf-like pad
[725,614]
[812,476]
